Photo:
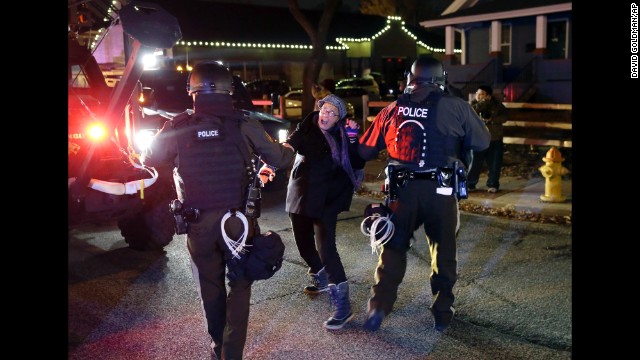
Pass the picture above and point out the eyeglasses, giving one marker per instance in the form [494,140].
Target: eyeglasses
[325,112]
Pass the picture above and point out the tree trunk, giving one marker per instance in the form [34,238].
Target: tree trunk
[318,56]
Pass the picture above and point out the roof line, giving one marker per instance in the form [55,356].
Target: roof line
[498,15]
[340,40]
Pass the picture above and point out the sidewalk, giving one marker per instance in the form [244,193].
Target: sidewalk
[517,194]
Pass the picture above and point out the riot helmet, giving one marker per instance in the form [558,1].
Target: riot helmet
[210,77]
[426,70]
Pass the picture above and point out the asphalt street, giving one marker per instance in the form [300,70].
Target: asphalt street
[513,297]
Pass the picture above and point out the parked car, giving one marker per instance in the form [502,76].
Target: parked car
[353,95]
[259,88]
[293,105]
[166,96]
[369,84]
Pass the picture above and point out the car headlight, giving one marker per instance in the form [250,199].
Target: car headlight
[144,138]
[283,135]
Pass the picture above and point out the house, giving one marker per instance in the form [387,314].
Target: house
[260,42]
[521,48]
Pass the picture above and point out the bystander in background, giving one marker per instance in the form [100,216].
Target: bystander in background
[320,91]
[494,114]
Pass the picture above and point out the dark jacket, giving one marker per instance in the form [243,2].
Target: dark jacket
[493,113]
[317,183]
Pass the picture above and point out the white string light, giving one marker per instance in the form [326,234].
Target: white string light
[342,41]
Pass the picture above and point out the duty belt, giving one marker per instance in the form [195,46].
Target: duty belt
[429,175]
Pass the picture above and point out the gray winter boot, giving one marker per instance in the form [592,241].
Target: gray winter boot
[319,283]
[340,299]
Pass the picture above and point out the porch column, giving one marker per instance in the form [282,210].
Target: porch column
[463,46]
[496,50]
[541,35]
[496,38]
[449,45]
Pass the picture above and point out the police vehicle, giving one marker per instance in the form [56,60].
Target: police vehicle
[106,181]
[108,127]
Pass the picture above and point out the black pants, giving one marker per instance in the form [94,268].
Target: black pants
[419,204]
[227,315]
[493,156]
[316,242]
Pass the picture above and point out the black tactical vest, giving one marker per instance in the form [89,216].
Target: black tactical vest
[210,164]
[413,136]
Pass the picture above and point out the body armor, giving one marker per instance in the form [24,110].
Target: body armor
[211,171]
[413,137]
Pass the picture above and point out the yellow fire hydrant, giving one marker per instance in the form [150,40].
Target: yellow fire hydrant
[552,172]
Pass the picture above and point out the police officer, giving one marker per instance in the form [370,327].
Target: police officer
[426,131]
[211,177]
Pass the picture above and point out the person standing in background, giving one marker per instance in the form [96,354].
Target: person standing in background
[493,112]
[320,91]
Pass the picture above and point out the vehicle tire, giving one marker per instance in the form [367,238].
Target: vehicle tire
[152,228]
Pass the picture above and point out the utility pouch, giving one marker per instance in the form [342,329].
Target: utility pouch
[396,178]
[254,194]
[460,177]
[183,216]
[445,177]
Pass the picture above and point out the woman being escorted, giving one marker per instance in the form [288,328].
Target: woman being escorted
[321,186]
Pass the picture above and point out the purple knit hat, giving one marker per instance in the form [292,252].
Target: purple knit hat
[335,101]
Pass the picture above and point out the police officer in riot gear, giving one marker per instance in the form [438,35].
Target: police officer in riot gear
[427,133]
[210,151]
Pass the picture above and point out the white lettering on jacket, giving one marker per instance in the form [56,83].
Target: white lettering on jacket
[208,134]
[413,112]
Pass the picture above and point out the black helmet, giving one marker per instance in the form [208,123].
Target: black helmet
[209,77]
[426,70]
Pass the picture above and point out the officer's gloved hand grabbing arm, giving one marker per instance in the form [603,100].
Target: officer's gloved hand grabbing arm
[267,173]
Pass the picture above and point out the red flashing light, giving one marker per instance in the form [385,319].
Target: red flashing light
[97,132]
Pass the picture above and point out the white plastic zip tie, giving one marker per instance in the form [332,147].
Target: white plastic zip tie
[381,225]
[236,247]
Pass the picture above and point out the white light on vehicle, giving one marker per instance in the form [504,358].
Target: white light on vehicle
[282,135]
[143,139]
[150,61]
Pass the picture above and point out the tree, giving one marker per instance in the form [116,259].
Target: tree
[411,11]
[318,56]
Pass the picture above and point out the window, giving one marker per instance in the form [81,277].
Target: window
[77,77]
[557,39]
[505,44]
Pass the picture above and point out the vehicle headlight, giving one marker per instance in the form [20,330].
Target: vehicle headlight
[283,135]
[144,138]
